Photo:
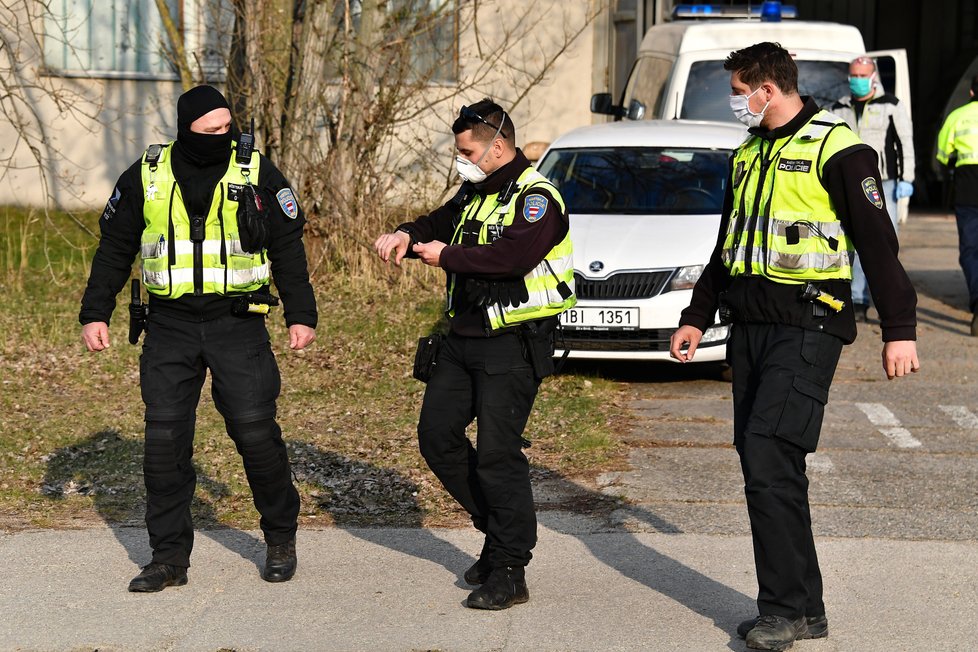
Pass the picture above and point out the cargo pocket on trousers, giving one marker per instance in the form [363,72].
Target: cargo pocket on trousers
[268,381]
[801,417]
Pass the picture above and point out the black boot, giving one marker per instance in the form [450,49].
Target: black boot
[818,627]
[280,562]
[478,572]
[776,633]
[505,587]
[156,577]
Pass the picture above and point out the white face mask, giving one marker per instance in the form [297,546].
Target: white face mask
[470,171]
[740,105]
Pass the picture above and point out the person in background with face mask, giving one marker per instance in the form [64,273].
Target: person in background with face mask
[207,217]
[504,244]
[883,123]
[803,197]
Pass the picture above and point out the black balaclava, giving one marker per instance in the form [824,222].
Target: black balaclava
[201,149]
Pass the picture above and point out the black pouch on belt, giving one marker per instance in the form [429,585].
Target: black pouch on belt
[426,357]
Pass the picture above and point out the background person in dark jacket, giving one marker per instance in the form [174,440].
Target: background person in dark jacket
[206,225]
[804,194]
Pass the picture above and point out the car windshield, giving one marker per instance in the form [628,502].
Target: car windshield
[708,87]
[638,180]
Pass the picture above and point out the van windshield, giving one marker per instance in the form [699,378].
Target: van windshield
[708,87]
[638,180]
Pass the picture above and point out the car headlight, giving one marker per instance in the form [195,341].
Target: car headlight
[686,277]
[715,334]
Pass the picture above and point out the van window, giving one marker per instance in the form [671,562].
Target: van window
[639,180]
[647,83]
[708,87]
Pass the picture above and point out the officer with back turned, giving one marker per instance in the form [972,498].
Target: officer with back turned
[212,221]
[504,244]
[957,148]
[804,196]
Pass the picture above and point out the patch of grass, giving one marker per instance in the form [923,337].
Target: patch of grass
[71,421]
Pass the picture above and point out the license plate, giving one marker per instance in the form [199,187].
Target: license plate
[600,318]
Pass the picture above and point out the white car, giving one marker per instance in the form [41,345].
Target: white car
[644,200]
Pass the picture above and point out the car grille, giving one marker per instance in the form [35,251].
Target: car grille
[646,339]
[624,285]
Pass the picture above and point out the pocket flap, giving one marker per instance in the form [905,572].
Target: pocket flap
[811,389]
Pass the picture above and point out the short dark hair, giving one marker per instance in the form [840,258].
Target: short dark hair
[763,62]
[478,115]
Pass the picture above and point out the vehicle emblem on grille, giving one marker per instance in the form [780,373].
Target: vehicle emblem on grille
[596,266]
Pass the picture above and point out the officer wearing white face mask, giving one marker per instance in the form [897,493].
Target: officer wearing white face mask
[505,246]
[804,195]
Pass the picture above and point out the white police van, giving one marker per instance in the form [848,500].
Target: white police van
[644,200]
[678,72]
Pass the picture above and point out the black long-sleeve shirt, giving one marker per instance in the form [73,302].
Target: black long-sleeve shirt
[757,299]
[122,225]
[521,247]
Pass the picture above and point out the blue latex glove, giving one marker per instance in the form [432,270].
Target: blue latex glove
[903,189]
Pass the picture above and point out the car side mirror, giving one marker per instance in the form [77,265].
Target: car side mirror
[602,104]
[636,110]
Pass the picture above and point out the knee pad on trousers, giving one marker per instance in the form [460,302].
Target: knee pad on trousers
[261,447]
[166,457]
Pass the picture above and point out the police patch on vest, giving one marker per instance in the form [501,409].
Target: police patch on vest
[110,205]
[795,165]
[288,202]
[872,192]
[534,207]
[234,191]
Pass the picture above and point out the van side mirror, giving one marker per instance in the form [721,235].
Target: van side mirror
[636,110]
[602,104]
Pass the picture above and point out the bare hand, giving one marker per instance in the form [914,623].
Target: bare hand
[900,358]
[300,336]
[396,243]
[95,335]
[430,252]
[685,337]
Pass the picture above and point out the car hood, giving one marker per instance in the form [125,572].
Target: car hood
[630,242]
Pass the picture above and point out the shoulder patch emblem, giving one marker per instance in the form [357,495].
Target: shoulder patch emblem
[534,206]
[110,206]
[286,199]
[872,192]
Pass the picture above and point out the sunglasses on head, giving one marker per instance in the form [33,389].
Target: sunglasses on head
[470,115]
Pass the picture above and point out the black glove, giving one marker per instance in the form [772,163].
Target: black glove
[252,220]
[477,291]
[519,293]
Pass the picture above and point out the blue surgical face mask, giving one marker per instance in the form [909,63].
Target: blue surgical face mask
[860,86]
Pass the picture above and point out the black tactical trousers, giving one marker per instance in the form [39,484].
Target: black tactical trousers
[781,379]
[489,380]
[245,384]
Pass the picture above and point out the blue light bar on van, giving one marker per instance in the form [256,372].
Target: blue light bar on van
[767,11]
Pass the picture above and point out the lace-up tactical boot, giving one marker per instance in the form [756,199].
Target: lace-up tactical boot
[505,587]
[818,627]
[280,562]
[776,633]
[156,577]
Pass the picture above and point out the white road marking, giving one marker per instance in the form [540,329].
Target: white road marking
[961,415]
[820,463]
[887,423]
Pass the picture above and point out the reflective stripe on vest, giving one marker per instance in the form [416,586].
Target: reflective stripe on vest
[544,282]
[167,251]
[787,236]
[959,136]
